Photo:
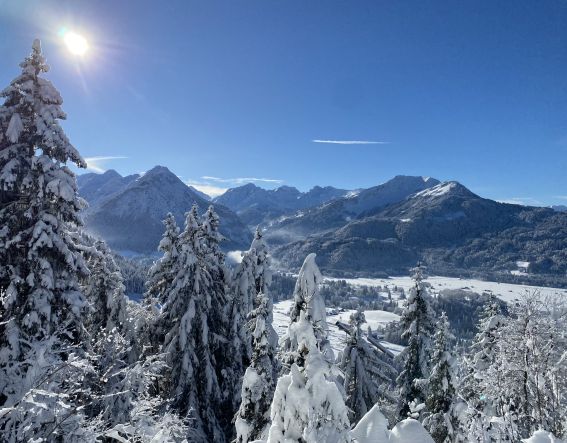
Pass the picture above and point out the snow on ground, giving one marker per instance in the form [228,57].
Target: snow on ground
[336,336]
[505,291]
[374,318]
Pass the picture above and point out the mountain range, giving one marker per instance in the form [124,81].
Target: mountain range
[128,211]
[384,229]
[446,226]
[255,205]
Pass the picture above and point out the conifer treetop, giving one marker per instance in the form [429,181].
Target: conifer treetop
[30,114]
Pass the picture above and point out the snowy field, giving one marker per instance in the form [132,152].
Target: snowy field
[336,336]
[505,291]
[374,318]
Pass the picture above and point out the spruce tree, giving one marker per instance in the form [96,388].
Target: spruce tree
[263,278]
[160,282]
[482,356]
[441,387]
[42,338]
[308,300]
[161,272]
[243,295]
[191,328]
[252,279]
[103,288]
[367,376]
[258,385]
[308,407]
[418,326]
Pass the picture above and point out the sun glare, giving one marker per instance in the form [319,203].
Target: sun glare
[76,44]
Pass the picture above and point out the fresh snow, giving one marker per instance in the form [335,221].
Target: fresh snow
[543,437]
[373,428]
[437,191]
[337,338]
[505,291]
[409,431]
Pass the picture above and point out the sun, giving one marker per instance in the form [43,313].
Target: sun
[76,44]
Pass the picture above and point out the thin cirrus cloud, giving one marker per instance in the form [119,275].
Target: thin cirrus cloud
[97,164]
[351,142]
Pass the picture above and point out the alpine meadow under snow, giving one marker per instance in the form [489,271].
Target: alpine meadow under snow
[202,357]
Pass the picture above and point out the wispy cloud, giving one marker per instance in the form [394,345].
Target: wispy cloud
[242,180]
[560,197]
[97,164]
[207,188]
[351,142]
[215,186]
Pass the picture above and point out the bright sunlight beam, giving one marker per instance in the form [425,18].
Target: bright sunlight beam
[76,44]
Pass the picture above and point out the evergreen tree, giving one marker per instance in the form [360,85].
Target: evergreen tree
[160,283]
[307,299]
[521,380]
[441,395]
[161,273]
[191,330]
[418,326]
[531,364]
[103,288]
[367,376]
[242,304]
[43,358]
[263,278]
[219,322]
[258,385]
[308,407]
[262,271]
[482,355]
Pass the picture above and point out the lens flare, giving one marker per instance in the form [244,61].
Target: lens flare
[76,44]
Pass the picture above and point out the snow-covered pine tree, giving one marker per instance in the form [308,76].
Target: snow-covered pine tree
[161,276]
[308,407]
[418,326]
[114,337]
[42,347]
[161,273]
[250,278]
[191,329]
[262,271]
[531,363]
[219,298]
[307,299]
[263,277]
[441,387]
[253,416]
[103,288]
[482,355]
[243,294]
[367,376]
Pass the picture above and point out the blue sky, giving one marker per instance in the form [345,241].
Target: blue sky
[474,91]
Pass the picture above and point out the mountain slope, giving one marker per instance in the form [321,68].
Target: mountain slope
[200,193]
[341,211]
[131,219]
[448,227]
[97,188]
[255,205]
